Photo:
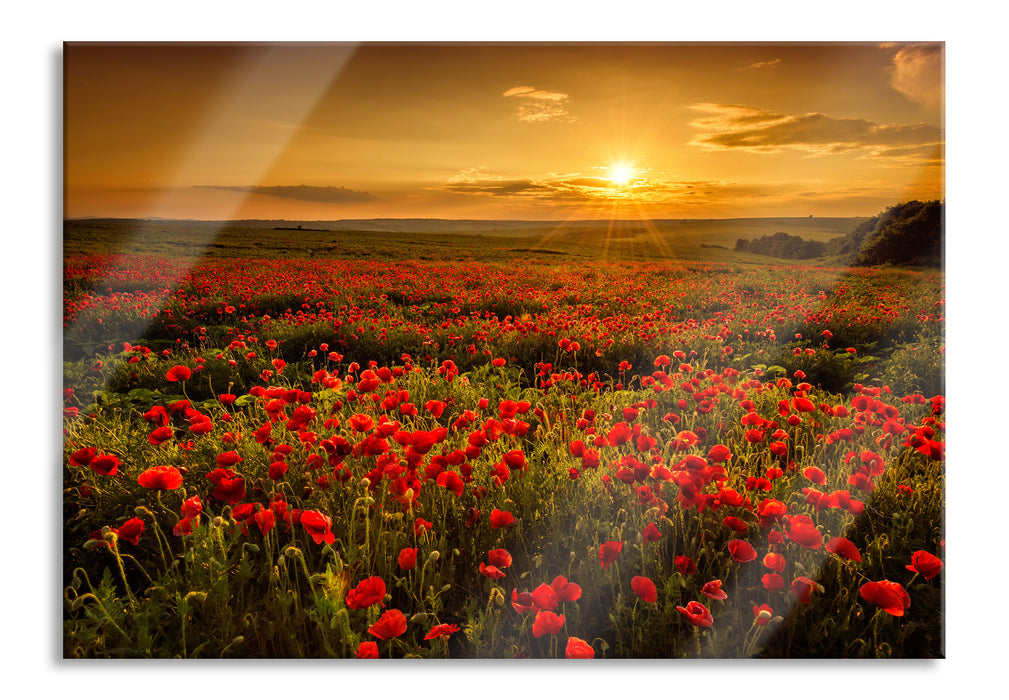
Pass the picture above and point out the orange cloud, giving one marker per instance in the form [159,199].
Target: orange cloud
[917,73]
[539,105]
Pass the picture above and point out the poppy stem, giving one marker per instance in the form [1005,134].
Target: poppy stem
[114,546]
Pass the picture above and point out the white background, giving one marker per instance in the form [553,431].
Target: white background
[30,369]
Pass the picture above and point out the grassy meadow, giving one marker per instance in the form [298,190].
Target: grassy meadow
[624,441]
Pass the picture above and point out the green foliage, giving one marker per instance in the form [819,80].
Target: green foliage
[911,233]
[782,245]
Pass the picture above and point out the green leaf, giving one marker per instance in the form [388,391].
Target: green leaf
[141,395]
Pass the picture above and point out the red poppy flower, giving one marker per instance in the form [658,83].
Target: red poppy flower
[160,435]
[802,529]
[843,547]
[163,477]
[772,582]
[370,591]
[544,597]
[770,511]
[179,373]
[763,614]
[651,533]
[441,631]
[192,507]
[547,622]
[130,530]
[391,624]
[105,465]
[436,408]
[774,561]
[230,487]
[499,558]
[501,518]
[685,565]
[361,423]
[713,590]
[608,552]
[803,405]
[228,459]
[83,457]
[735,524]
[578,649]
[742,551]
[522,602]
[645,589]
[803,588]
[185,526]
[276,470]
[926,564]
[407,558]
[317,526]
[265,519]
[815,474]
[452,482]
[367,650]
[566,591]
[491,572]
[698,615]
[888,595]
[719,453]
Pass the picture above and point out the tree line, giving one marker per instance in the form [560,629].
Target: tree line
[911,233]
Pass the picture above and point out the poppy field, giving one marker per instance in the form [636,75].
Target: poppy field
[516,455]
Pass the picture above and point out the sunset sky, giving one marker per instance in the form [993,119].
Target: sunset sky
[500,131]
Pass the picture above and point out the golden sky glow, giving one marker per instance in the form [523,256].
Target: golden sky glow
[500,131]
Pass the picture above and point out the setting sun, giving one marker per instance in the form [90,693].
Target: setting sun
[621,174]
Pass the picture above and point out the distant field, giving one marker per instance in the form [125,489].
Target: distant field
[693,239]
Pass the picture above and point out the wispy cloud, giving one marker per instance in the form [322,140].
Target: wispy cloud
[539,105]
[763,64]
[737,127]
[303,193]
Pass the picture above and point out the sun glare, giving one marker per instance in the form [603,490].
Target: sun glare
[621,174]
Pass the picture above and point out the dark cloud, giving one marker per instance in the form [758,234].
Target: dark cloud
[501,188]
[302,193]
[748,128]
[574,188]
